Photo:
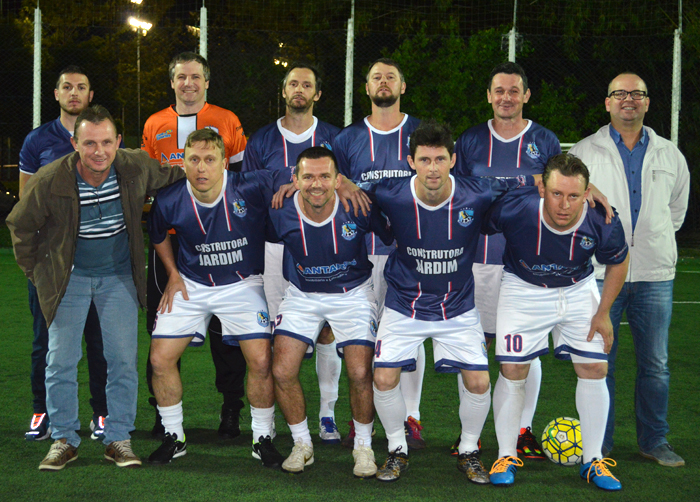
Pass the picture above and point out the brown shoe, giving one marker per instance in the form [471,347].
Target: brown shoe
[58,456]
[120,453]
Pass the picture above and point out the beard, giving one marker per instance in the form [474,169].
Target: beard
[299,106]
[384,101]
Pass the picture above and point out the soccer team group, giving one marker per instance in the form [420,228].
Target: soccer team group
[358,244]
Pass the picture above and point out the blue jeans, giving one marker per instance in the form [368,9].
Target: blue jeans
[117,307]
[649,306]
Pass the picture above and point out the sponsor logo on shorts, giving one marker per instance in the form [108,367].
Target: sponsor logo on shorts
[239,208]
[349,230]
[373,327]
[466,216]
[587,242]
[532,151]
[263,318]
[164,135]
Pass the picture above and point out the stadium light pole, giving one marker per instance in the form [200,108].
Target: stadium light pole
[141,28]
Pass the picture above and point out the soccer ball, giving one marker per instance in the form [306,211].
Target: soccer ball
[561,441]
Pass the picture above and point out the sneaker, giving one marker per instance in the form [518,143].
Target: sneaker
[597,471]
[266,452]
[664,455]
[328,431]
[365,465]
[504,470]
[396,463]
[39,427]
[120,453]
[301,456]
[170,449]
[349,440]
[229,427]
[97,426]
[158,430]
[414,439]
[454,449]
[470,464]
[528,447]
[58,456]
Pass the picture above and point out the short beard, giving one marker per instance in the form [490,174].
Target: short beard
[385,101]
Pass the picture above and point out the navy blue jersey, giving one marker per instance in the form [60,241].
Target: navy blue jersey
[220,243]
[543,256]
[367,155]
[327,257]
[429,276]
[43,145]
[275,148]
[482,152]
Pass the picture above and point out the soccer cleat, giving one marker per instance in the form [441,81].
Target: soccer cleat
[329,432]
[396,463]
[528,446]
[97,426]
[158,430]
[229,427]
[664,455]
[60,454]
[414,439]
[470,464]
[454,449]
[504,470]
[301,456]
[120,453]
[266,452]
[597,471]
[170,449]
[39,427]
[365,465]
[349,440]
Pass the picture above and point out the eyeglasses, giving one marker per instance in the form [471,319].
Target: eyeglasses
[620,95]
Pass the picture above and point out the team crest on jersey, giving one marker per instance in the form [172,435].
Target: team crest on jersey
[263,318]
[349,230]
[239,208]
[532,151]
[373,327]
[326,145]
[215,129]
[466,216]
[164,135]
[587,242]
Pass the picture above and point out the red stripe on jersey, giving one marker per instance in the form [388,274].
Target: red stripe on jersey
[335,240]
[520,149]
[303,235]
[442,305]
[490,148]
[371,145]
[415,204]
[449,221]
[313,138]
[212,280]
[194,206]
[413,303]
[400,142]
[345,290]
[239,275]
[539,229]
[573,242]
[486,248]
[228,219]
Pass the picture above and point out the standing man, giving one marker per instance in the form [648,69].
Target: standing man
[505,147]
[368,151]
[276,147]
[220,217]
[42,146]
[548,285]
[164,136]
[77,236]
[646,178]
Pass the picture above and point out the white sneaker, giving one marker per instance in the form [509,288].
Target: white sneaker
[302,455]
[365,465]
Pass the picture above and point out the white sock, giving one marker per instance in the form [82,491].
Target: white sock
[508,399]
[172,420]
[363,434]
[460,386]
[592,404]
[262,422]
[391,409]
[532,393]
[473,409]
[328,366]
[412,385]
[301,431]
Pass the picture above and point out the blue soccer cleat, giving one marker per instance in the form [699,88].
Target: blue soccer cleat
[597,471]
[503,471]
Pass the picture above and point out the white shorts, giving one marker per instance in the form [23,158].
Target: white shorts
[527,313]
[241,307]
[487,284]
[275,283]
[352,316]
[458,343]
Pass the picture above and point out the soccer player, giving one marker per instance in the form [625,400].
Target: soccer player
[436,220]
[506,146]
[43,145]
[325,261]
[548,285]
[368,151]
[276,147]
[164,136]
[221,217]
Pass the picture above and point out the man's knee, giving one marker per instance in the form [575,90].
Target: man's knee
[386,378]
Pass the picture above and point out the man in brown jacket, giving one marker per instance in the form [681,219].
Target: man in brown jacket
[77,236]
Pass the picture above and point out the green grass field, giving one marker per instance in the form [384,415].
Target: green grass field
[216,470]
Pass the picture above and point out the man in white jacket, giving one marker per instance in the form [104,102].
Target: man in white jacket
[646,179]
